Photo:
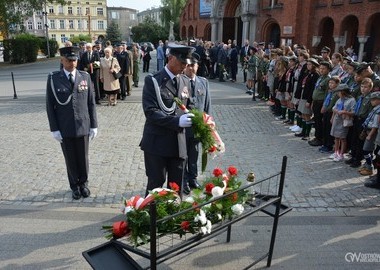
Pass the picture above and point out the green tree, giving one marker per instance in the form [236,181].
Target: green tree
[113,32]
[81,37]
[14,12]
[150,31]
[171,11]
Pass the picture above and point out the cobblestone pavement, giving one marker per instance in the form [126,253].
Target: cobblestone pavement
[33,169]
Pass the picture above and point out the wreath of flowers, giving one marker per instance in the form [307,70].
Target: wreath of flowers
[204,129]
[136,226]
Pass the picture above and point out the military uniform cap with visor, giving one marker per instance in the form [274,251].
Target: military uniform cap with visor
[70,53]
[181,52]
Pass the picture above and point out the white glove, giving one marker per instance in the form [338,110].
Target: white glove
[57,135]
[93,133]
[185,120]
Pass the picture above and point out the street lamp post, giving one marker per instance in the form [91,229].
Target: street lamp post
[47,31]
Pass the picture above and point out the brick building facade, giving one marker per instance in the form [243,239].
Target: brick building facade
[339,24]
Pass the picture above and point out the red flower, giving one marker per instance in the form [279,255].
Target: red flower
[232,170]
[185,225]
[212,149]
[194,205]
[234,197]
[217,172]
[174,186]
[209,187]
[120,229]
[162,193]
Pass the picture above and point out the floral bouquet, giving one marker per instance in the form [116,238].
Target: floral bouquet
[197,217]
[204,129]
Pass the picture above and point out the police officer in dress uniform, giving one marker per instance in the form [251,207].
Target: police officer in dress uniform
[71,112]
[164,141]
[199,98]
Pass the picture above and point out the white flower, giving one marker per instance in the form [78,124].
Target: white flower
[218,191]
[207,206]
[208,226]
[201,217]
[203,230]
[237,209]
[219,216]
[190,200]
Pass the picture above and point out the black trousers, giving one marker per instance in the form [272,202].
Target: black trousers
[122,80]
[75,151]
[318,118]
[191,168]
[146,65]
[95,80]
[356,143]
[159,169]
[328,140]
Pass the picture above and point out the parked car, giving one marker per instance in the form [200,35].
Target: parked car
[150,44]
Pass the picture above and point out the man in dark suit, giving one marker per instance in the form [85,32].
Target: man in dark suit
[244,55]
[145,50]
[90,62]
[199,98]
[122,58]
[71,112]
[164,141]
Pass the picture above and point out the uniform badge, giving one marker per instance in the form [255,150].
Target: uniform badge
[201,92]
[82,86]
[185,93]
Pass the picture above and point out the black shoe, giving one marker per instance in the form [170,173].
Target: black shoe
[194,184]
[123,98]
[98,102]
[253,99]
[84,191]
[350,161]
[299,134]
[186,189]
[372,184]
[315,142]
[356,164]
[76,194]
[222,80]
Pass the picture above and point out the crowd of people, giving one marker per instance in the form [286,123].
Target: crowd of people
[114,69]
[330,92]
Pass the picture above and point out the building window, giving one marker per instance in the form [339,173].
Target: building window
[39,13]
[39,25]
[115,15]
[30,25]
[61,24]
[99,11]
[70,10]
[51,9]
[79,24]
[71,24]
[71,36]
[133,16]
[60,9]
[52,24]
[88,11]
[63,38]
[53,36]
[79,10]
[100,25]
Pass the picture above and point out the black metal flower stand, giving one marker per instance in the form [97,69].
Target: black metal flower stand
[268,199]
